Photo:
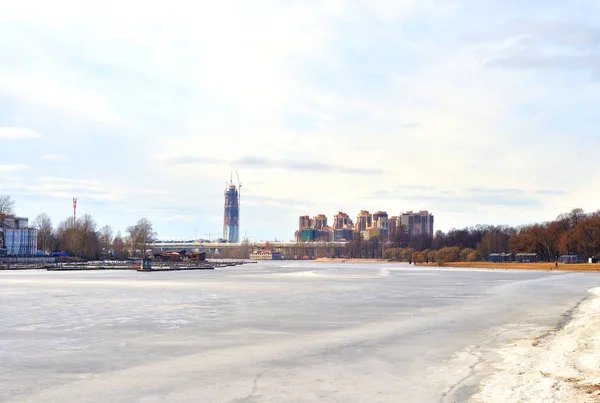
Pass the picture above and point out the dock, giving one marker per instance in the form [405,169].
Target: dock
[147,266]
[229,263]
[176,266]
[97,265]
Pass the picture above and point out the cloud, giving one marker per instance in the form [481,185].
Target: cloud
[64,188]
[541,44]
[439,198]
[268,163]
[496,190]
[52,94]
[168,215]
[411,125]
[10,168]
[18,133]
[284,203]
[551,192]
[54,157]
[399,105]
[529,61]
[306,166]
[537,32]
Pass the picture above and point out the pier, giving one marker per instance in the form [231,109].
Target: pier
[146,266]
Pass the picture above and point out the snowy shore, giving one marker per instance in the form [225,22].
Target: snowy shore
[562,366]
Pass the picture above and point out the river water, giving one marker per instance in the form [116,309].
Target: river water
[269,332]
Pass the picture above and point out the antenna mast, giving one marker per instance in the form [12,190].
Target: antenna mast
[74,210]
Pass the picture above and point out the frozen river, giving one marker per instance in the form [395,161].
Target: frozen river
[270,332]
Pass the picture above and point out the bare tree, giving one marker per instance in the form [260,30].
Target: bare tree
[80,239]
[43,224]
[7,206]
[119,246]
[106,237]
[89,239]
[66,235]
[140,235]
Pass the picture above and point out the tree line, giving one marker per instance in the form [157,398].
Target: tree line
[573,233]
[83,237]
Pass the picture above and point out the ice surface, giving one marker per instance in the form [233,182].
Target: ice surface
[564,366]
[270,332]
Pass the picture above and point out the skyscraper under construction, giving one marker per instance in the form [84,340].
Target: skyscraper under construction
[231,216]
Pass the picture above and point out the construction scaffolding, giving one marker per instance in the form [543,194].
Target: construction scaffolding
[231,216]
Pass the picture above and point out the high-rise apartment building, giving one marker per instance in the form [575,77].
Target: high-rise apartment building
[313,229]
[368,226]
[320,222]
[380,220]
[379,215]
[392,226]
[304,222]
[416,224]
[364,220]
[342,221]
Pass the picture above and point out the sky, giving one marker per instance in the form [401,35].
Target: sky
[482,112]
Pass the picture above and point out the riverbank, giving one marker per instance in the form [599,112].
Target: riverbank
[563,366]
[520,266]
[584,267]
[348,260]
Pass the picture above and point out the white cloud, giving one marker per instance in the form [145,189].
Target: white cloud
[54,157]
[18,133]
[48,91]
[10,168]
[307,86]
[63,188]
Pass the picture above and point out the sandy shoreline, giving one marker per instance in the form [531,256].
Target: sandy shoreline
[584,267]
[562,366]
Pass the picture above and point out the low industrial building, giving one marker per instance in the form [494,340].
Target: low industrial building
[501,257]
[343,235]
[312,235]
[373,233]
[568,259]
[262,254]
[527,257]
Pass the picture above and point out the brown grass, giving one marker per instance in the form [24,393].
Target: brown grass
[348,260]
[587,267]
[520,266]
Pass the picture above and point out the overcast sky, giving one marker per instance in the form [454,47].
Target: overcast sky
[479,111]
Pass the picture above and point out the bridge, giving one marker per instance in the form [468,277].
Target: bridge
[297,248]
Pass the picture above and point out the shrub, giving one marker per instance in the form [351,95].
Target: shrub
[448,254]
[418,257]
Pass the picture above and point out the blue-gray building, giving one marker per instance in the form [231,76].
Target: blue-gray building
[16,238]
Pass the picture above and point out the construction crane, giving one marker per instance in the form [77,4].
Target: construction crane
[248,238]
[239,195]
